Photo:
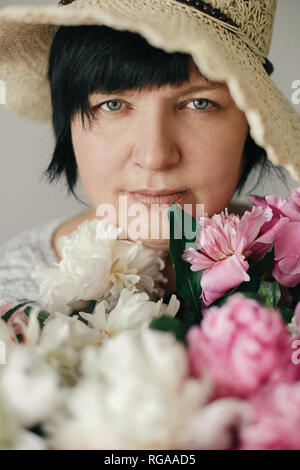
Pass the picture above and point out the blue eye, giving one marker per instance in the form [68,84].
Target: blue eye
[202,103]
[110,108]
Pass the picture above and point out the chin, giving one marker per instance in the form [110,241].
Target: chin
[156,244]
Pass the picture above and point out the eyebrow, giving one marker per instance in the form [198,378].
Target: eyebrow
[208,85]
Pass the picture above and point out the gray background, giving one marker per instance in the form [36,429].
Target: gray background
[26,146]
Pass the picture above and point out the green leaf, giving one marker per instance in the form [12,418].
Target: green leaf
[250,286]
[249,294]
[260,266]
[191,318]
[295,291]
[184,229]
[27,310]
[19,338]
[178,327]
[75,312]
[271,293]
[267,295]
[286,313]
[38,429]
[92,306]
[42,316]
[256,296]
[171,325]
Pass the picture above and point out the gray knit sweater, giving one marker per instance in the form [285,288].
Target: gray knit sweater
[20,256]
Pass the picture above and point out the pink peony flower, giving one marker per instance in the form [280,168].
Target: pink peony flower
[242,345]
[274,202]
[269,231]
[226,242]
[276,419]
[18,314]
[287,245]
[289,207]
[287,256]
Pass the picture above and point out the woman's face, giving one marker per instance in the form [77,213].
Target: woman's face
[167,138]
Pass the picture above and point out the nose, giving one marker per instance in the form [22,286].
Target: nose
[156,148]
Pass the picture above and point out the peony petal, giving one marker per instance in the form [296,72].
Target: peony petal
[292,206]
[271,232]
[251,223]
[198,260]
[288,280]
[223,276]
[289,241]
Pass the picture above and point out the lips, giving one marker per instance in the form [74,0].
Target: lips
[165,196]
[160,192]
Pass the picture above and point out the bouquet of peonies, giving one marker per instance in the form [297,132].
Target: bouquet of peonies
[101,362]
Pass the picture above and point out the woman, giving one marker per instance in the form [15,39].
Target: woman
[125,116]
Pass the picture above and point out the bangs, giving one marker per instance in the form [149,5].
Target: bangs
[88,59]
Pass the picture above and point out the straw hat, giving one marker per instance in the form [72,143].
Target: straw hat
[229,41]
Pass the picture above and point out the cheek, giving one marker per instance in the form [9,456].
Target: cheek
[215,165]
[96,164]
[218,156]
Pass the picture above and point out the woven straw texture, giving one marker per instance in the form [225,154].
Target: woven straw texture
[26,34]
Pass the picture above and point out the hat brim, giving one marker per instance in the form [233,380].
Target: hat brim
[26,34]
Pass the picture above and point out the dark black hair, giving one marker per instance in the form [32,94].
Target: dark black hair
[85,59]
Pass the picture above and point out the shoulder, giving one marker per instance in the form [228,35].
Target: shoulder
[66,228]
[20,256]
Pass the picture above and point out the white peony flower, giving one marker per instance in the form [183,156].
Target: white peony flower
[8,424]
[216,425]
[53,343]
[135,393]
[30,386]
[95,265]
[37,370]
[12,435]
[135,264]
[26,440]
[293,328]
[29,382]
[133,310]
[82,274]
